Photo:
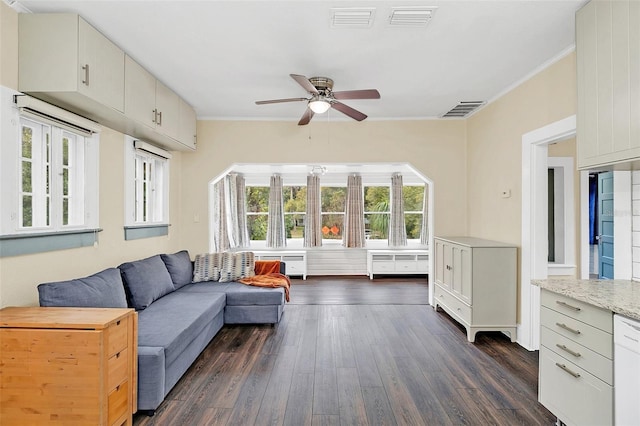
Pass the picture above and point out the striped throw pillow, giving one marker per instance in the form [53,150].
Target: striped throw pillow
[206,267]
[237,265]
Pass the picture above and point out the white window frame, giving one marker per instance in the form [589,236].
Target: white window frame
[137,155]
[84,206]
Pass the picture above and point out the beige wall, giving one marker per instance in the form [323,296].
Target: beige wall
[495,147]
[436,148]
[8,46]
[19,275]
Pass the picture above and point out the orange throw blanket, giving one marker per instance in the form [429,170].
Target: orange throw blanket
[273,280]
[264,267]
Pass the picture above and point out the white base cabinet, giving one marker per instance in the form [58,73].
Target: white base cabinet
[576,360]
[476,283]
[397,262]
[295,260]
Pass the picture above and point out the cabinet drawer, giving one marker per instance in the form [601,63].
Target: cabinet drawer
[382,266]
[118,402]
[293,258]
[582,400]
[453,305]
[117,369]
[406,266]
[577,331]
[593,362]
[295,268]
[117,336]
[592,315]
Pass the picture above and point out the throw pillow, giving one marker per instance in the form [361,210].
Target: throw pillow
[180,268]
[146,280]
[206,267]
[237,265]
[101,290]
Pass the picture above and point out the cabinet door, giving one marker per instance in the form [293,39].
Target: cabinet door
[101,67]
[168,105]
[139,93]
[461,272]
[187,133]
[439,263]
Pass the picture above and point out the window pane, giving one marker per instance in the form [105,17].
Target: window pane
[413,224]
[257,225]
[65,211]
[376,226]
[332,226]
[26,176]
[257,199]
[65,151]
[27,210]
[333,199]
[294,225]
[27,139]
[295,198]
[413,196]
[376,199]
[65,182]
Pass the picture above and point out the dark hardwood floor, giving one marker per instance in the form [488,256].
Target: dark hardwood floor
[339,364]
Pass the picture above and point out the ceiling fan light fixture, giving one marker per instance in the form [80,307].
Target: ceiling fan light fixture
[319,105]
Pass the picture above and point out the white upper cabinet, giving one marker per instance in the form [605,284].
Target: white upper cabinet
[62,56]
[150,102]
[65,61]
[608,79]
[187,126]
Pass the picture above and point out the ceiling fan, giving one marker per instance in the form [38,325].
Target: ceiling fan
[323,97]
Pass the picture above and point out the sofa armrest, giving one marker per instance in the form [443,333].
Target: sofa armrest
[283,268]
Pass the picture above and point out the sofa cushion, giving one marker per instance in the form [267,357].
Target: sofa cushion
[180,267]
[206,267]
[101,290]
[173,321]
[243,295]
[146,280]
[237,265]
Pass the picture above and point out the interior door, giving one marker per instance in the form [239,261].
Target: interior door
[605,225]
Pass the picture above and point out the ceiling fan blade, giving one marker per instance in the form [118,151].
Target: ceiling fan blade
[306,117]
[347,110]
[277,101]
[357,94]
[305,83]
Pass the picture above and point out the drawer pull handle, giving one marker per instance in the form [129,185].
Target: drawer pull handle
[566,305]
[118,322]
[85,67]
[118,355]
[565,368]
[631,338]
[569,329]
[566,349]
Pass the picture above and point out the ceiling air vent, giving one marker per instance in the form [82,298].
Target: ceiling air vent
[463,109]
[352,17]
[411,16]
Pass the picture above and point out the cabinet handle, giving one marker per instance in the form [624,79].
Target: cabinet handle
[155,115]
[118,355]
[86,74]
[565,368]
[566,349]
[566,305]
[118,322]
[160,119]
[566,327]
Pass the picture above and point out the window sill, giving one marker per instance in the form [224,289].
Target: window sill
[39,242]
[561,269]
[137,232]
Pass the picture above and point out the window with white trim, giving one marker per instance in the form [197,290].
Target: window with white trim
[51,188]
[147,184]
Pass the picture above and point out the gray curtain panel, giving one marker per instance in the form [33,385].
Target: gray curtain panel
[220,234]
[353,226]
[276,235]
[397,230]
[235,202]
[424,230]
[313,219]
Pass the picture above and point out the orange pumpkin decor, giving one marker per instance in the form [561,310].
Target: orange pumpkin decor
[325,230]
[335,230]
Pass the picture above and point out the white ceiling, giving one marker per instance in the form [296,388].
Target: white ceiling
[221,56]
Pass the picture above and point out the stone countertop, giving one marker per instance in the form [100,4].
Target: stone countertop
[620,296]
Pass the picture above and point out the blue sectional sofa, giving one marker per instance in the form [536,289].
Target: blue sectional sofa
[176,317]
